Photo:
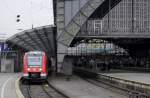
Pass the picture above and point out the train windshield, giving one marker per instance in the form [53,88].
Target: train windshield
[34,60]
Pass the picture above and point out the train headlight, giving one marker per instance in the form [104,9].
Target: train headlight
[28,69]
[40,69]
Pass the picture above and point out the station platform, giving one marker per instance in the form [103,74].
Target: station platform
[132,76]
[7,85]
[79,88]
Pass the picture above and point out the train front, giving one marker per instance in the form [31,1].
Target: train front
[35,65]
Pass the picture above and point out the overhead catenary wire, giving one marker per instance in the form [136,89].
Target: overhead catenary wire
[41,6]
[14,13]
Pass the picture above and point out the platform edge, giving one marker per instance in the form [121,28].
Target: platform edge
[17,88]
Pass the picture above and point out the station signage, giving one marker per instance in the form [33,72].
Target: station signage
[4,47]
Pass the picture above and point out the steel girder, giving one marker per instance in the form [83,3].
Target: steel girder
[77,22]
[35,39]
[115,35]
[50,38]
[17,41]
[27,42]
[36,42]
[40,38]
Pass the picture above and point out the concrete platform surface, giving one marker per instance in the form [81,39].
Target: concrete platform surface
[7,85]
[138,77]
[79,88]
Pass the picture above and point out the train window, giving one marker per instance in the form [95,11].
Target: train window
[35,54]
[34,61]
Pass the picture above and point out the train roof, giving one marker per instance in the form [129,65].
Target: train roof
[35,52]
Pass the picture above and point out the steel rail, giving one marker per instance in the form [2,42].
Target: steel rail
[45,87]
[132,87]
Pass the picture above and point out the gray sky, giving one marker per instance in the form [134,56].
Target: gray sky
[36,12]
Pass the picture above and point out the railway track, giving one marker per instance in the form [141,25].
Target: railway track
[40,90]
[125,87]
[113,88]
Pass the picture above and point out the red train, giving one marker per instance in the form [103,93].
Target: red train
[35,65]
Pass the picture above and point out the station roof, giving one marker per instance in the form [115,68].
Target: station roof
[40,38]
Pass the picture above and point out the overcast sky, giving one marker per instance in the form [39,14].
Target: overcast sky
[36,12]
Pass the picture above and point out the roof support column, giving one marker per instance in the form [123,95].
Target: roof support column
[61,49]
[61,52]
